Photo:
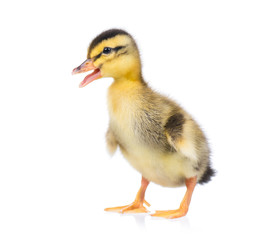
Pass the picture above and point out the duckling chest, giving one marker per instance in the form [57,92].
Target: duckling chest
[136,122]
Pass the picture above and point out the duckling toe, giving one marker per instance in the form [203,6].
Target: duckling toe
[170,214]
[134,207]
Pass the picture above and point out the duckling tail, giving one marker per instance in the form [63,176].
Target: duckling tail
[208,174]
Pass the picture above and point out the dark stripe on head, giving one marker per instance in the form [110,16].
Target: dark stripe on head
[106,35]
[116,49]
[97,56]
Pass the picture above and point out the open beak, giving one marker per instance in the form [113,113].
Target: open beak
[86,66]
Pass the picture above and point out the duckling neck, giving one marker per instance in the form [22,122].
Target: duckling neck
[134,77]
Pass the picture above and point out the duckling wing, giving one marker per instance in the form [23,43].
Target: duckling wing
[111,141]
[182,134]
[185,135]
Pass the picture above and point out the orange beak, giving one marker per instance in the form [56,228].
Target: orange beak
[86,66]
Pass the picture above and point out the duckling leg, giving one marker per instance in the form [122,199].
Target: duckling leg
[137,205]
[182,211]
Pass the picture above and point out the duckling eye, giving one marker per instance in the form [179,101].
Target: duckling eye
[107,50]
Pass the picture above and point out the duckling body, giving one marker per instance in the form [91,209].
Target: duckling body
[157,137]
[138,117]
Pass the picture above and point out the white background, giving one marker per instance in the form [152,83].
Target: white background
[55,174]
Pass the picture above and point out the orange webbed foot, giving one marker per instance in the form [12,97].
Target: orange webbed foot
[170,214]
[135,207]
[138,205]
[183,209]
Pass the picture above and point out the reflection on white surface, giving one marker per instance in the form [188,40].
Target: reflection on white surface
[139,219]
[144,219]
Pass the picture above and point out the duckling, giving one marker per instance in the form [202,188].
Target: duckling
[155,134]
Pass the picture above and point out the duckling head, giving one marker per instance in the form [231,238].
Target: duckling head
[113,53]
